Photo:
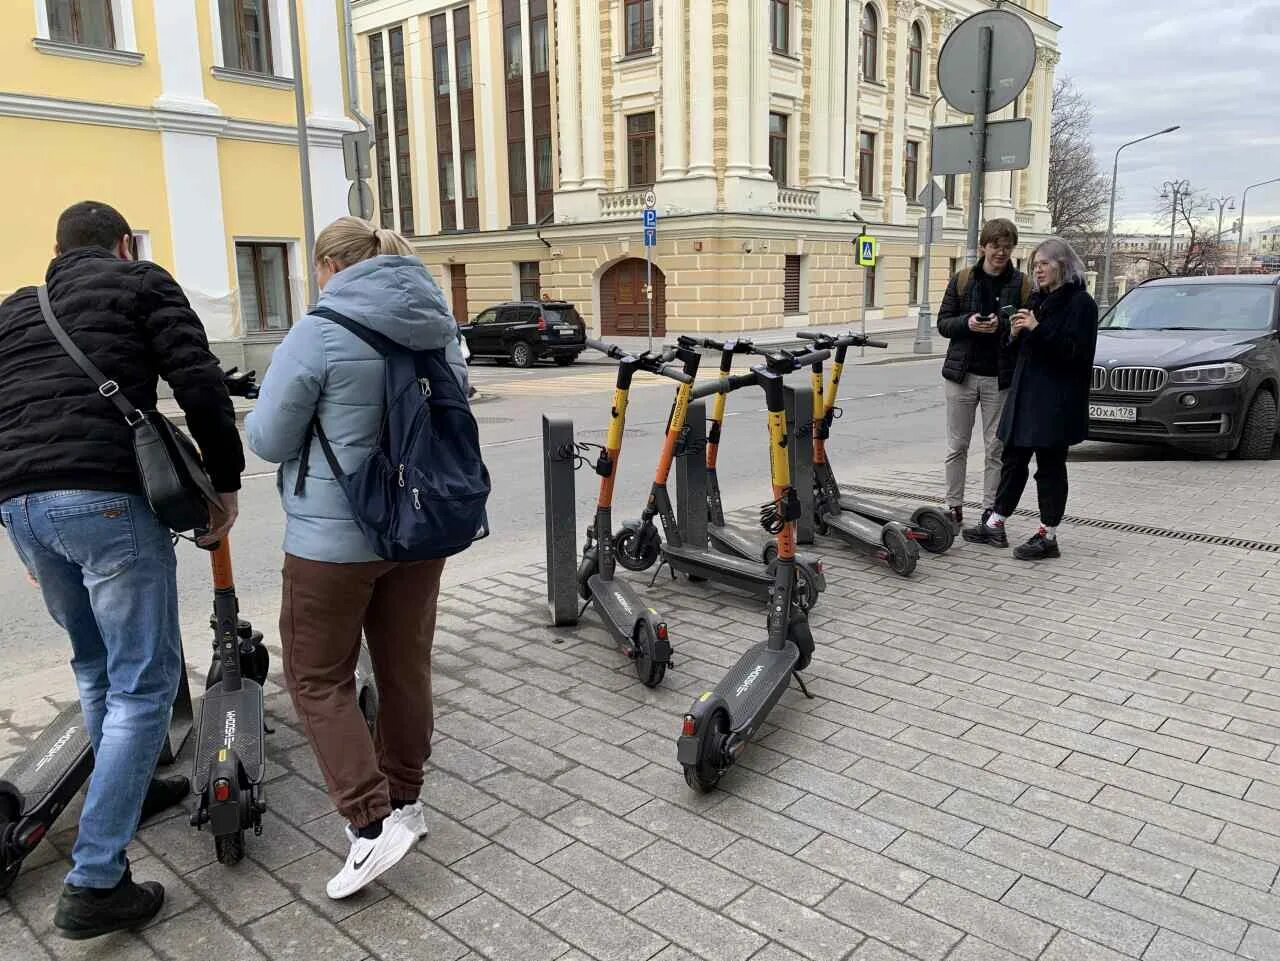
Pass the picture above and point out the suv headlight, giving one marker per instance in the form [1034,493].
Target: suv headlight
[1226,373]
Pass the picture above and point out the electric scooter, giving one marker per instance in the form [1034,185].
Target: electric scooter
[889,541]
[634,625]
[638,545]
[722,721]
[930,527]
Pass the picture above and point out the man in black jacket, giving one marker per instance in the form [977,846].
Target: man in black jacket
[71,500]
[977,370]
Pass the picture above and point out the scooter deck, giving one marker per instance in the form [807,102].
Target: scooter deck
[230,719]
[855,527]
[618,606]
[737,543]
[754,684]
[875,510]
[722,568]
[59,757]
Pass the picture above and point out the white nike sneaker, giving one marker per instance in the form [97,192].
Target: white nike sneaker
[414,817]
[370,858]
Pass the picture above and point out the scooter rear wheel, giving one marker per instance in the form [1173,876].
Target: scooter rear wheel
[903,552]
[229,847]
[650,671]
[939,528]
[704,774]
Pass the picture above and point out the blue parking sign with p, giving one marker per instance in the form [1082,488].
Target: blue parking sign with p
[650,219]
[651,237]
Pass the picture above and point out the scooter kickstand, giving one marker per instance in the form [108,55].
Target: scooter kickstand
[585,605]
[800,680]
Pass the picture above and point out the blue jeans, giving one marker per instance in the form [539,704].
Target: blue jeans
[107,569]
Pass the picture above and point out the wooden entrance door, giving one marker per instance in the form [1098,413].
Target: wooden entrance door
[624,311]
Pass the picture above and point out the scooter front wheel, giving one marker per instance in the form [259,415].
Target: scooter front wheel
[902,551]
[229,847]
[635,550]
[938,527]
[704,774]
[648,669]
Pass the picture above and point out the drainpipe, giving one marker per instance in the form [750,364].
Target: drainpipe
[353,89]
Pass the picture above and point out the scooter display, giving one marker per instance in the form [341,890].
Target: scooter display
[722,721]
[638,545]
[633,624]
[889,541]
[930,527]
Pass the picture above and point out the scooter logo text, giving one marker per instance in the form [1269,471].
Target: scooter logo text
[58,745]
[749,680]
[229,728]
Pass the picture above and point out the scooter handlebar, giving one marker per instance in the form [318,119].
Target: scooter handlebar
[609,350]
[844,340]
[723,385]
[671,371]
[811,358]
[742,345]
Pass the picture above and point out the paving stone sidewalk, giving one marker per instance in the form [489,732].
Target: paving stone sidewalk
[1071,762]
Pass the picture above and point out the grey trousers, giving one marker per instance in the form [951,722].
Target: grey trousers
[963,403]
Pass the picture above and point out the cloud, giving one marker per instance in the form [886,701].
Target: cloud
[1209,67]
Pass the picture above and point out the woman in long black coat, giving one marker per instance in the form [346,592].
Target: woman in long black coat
[1047,410]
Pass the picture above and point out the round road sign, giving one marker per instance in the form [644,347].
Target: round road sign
[650,199]
[360,200]
[1013,58]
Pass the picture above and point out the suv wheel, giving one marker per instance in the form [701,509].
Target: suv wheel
[1259,434]
[522,354]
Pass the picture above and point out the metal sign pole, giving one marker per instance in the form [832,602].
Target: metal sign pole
[648,288]
[866,294]
[304,158]
[977,185]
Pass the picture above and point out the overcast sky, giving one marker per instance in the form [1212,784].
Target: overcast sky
[1212,66]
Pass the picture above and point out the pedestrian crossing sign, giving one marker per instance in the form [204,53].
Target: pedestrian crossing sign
[866,248]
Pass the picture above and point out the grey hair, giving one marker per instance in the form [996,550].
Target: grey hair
[1057,250]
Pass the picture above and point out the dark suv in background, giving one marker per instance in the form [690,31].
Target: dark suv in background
[1193,362]
[526,331]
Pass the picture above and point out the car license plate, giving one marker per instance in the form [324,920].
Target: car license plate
[1113,412]
[566,330]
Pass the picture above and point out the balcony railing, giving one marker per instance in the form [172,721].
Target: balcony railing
[622,203]
[794,201]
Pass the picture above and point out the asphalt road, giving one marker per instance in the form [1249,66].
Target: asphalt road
[892,413]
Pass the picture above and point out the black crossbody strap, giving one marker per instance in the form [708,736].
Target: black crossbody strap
[106,387]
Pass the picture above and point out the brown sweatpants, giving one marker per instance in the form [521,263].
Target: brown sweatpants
[323,610]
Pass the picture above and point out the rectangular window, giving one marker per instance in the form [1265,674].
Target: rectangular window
[780,25]
[458,287]
[869,288]
[949,190]
[447,188]
[538,55]
[866,163]
[381,132]
[470,187]
[778,148]
[512,44]
[953,266]
[913,282]
[911,171]
[516,168]
[440,58]
[87,23]
[530,280]
[400,112]
[463,56]
[542,163]
[642,150]
[246,35]
[791,285]
[262,271]
[638,19]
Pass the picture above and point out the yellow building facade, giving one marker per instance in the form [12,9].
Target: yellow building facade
[181,114]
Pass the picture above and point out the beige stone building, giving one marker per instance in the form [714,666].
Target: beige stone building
[517,139]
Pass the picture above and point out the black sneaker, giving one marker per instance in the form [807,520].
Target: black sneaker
[1038,548]
[984,533]
[163,793]
[92,912]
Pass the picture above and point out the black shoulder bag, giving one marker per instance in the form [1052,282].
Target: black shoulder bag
[173,475]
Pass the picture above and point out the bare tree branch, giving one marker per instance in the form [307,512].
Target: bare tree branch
[1078,190]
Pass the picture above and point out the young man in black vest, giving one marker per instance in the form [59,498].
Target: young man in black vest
[978,370]
[71,501]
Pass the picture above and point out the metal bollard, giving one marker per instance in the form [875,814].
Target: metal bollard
[800,454]
[691,478]
[561,520]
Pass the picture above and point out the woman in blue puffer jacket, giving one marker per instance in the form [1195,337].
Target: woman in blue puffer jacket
[335,586]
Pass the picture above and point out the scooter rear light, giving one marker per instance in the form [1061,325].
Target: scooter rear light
[222,789]
[690,726]
[34,836]
[819,568]
[661,632]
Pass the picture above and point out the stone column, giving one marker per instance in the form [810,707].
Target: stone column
[842,71]
[897,198]
[702,94]
[569,122]
[1040,111]
[821,93]
[738,162]
[674,101]
[759,105]
[592,130]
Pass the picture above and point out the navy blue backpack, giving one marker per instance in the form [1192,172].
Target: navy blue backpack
[421,493]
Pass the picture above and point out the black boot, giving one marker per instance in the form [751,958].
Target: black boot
[164,793]
[984,533]
[92,912]
[1038,548]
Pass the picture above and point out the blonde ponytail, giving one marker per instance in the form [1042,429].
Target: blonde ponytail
[349,240]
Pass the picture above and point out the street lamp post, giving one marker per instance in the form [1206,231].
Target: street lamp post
[1244,199]
[1174,189]
[1223,204]
[1111,216]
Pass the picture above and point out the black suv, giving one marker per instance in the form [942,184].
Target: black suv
[525,331]
[1193,362]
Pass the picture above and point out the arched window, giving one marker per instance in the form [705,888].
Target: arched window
[870,43]
[915,58]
